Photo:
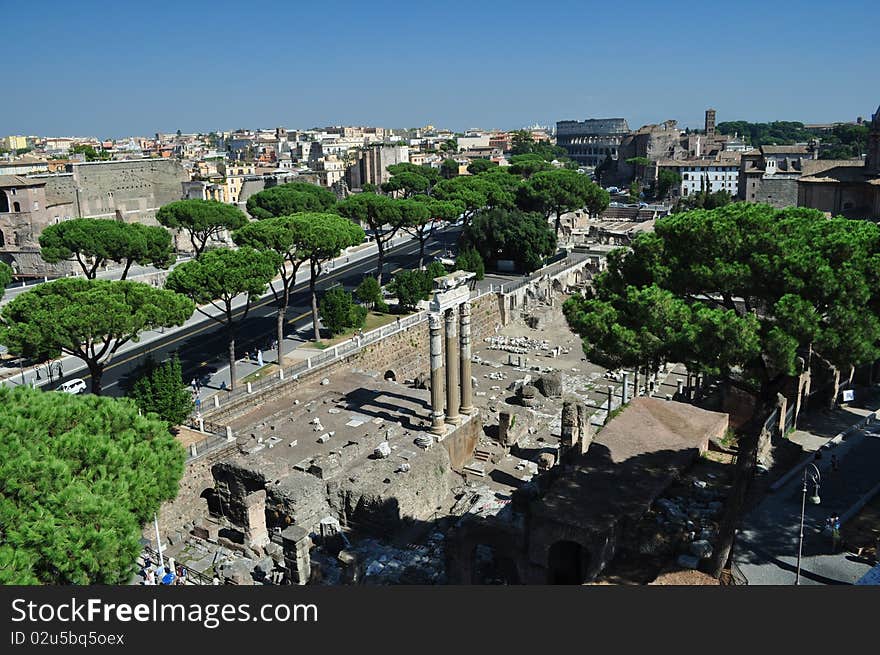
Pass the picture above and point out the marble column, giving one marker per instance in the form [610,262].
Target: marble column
[467,392]
[435,324]
[452,390]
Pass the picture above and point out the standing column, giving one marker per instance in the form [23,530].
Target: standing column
[435,323]
[452,390]
[467,400]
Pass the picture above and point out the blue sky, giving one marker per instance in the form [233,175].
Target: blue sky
[112,69]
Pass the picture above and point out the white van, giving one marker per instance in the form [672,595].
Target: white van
[74,386]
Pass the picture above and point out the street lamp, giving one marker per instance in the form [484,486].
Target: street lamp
[815,477]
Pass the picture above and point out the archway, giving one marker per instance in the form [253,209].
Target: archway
[16,207]
[390,376]
[4,203]
[565,563]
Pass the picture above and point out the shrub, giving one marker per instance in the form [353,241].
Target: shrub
[338,311]
[471,260]
[369,292]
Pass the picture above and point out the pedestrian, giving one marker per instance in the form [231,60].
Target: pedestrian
[198,405]
[193,383]
[149,577]
[835,532]
[835,464]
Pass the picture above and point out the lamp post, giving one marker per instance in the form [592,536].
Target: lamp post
[815,477]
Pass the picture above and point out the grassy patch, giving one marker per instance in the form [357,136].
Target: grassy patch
[729,439]
[374,320]
[266,370]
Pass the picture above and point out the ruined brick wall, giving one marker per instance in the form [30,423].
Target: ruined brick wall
[188,506]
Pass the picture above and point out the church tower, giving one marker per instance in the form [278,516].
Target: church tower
[872,163]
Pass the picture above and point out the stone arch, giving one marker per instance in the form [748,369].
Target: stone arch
[16,207]
[390,376]
[212,498]
[4,203]
[567,563]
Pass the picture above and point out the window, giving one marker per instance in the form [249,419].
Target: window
[16,207]
[36,205]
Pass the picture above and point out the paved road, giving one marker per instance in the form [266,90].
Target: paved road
[767,545]
[202,346]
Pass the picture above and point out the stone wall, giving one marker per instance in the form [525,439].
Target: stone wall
[188,506]
[780,192]
[404,353]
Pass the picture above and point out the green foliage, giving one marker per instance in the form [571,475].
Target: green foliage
[804,282]
[702,200]
[89,319]
[775,133]
[527,165]
[638,161]
[449,169]
[409,287]
[78,477]
[469,259]
[223,274]
[472,193]
[560,191]
[846,141]
[667,180]
[90,153]
[92,242]
[201,219]
[369,292]
[522,143]
[218,277]
[161,390]
[5,277]
[338,311]
[324,236]
[524,238]
[290,198]
[410,179]
[478,166]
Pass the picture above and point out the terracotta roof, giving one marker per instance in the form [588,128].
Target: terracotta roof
[784,150]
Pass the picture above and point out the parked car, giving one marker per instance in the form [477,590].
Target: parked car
[75,386]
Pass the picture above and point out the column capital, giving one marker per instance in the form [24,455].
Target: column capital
[435,320]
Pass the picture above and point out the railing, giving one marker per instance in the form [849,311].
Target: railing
[357,343]
[192,576]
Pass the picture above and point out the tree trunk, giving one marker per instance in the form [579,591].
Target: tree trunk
[96,370]
[231,357]
[558,221]
[315,324]
[282,314]
[125,271]
[422,240]
[380,246]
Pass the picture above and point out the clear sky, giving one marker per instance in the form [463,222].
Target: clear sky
[117,68]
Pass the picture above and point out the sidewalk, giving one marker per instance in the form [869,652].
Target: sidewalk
[767,544]
[69,363]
